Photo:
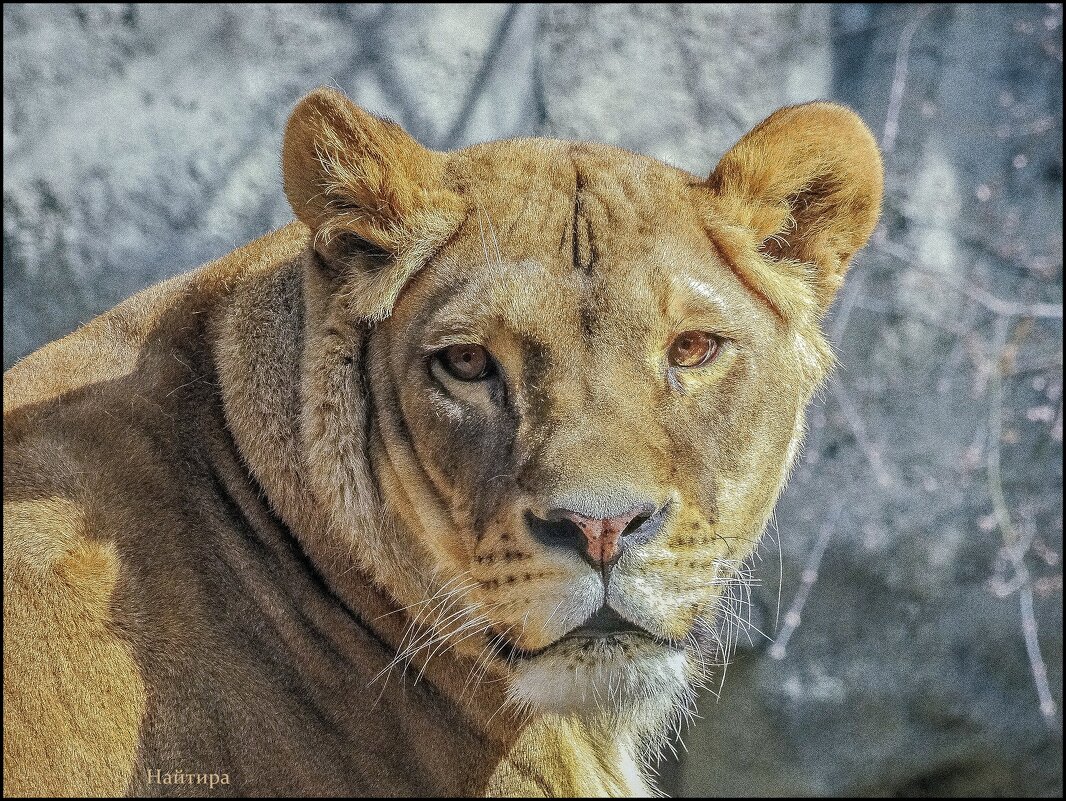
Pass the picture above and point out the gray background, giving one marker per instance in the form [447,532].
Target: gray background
[921,537]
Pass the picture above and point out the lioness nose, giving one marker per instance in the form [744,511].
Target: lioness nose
[600,541]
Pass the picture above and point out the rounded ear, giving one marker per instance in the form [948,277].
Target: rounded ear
[372,196]
[805,186]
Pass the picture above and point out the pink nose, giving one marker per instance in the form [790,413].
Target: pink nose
[603,537]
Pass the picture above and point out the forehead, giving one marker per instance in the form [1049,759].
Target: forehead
[570,206]
[558,228]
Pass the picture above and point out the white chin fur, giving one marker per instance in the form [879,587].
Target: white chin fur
[643,682]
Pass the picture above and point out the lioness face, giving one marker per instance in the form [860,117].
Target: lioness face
[588,394]
[579,353]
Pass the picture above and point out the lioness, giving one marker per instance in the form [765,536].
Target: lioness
[436,490]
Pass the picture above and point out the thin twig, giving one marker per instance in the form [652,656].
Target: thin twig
[810,575]
[1032,648]
[984,298]
[854,419]
[899,82]
[1012,308]
[1015,548]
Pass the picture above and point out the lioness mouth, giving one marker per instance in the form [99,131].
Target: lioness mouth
[607,623]
[604,624]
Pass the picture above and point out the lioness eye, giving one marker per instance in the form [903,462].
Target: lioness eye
[693,349]
[466,362]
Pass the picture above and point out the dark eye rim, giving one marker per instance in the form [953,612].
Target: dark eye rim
[440,356]
[718,342]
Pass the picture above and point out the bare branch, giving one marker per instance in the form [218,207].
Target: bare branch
[810,575]
[1015,546]
[899,81]
[1012,308]
[1032,648]
[1004,308]
[858,429]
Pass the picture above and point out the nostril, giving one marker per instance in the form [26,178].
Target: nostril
[554,530]
[567,529]
[636,523]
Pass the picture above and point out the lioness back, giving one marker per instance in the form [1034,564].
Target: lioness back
[106,508]
[442,489]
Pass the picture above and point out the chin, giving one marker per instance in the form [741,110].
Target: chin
[621,678]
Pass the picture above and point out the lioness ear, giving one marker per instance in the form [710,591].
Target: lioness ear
[372,196]
[805,188]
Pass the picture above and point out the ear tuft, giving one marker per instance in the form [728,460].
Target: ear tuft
[805,184]
[363,185]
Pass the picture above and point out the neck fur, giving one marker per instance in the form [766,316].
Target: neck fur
[289,359]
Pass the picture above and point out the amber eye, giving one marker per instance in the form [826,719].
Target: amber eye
[466,362]
[693,349]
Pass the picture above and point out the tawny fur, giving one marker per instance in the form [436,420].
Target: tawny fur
[250,528]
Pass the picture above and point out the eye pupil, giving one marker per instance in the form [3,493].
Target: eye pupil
[693,349]
[466,362]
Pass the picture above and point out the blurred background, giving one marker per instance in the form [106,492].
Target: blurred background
[911,630]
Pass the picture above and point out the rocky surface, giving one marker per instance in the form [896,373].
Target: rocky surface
[142,141]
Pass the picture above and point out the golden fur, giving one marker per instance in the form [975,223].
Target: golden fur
[252,528]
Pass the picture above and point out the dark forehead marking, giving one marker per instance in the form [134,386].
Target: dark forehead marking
[569,226]
[579,185]
[576,216]
[588,245]
[582,246]
[743,276]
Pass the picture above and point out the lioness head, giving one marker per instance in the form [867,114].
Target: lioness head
[554,388]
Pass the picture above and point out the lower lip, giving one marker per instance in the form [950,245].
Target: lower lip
[511,652]
[587,636]
[593,634]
